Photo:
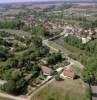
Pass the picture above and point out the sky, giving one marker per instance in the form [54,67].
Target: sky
[9,1]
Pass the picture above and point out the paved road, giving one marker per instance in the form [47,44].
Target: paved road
[76,63]
[45,42]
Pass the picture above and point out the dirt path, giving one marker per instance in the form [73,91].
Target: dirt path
[11,97]
[76,63]
[39,89]
[29,97]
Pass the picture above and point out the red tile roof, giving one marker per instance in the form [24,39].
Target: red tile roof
[68,73]
[46,70]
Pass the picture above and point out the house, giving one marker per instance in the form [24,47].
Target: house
[46,71]
[67,74]
[85,40]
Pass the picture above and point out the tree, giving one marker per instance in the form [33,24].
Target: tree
[37,42]
[17,74]
[90,71]
[54,58]
[13,63]
[3,56]
[14,87]
[9,87]
[67,97]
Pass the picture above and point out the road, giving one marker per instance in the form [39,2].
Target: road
[39,89]
[11,97]
[76,63]
[45,42]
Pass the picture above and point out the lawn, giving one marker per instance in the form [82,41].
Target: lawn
[64,90]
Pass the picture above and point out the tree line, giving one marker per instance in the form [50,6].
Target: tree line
[90,47]
[88,58]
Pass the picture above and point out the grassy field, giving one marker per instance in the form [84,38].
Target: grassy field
[68,49]
[64,90]
[65,51]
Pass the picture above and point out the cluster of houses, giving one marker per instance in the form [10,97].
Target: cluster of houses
[85,35]
[64,72]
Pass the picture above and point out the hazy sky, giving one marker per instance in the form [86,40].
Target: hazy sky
[6,1]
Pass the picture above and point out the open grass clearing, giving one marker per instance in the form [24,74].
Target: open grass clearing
[60,90]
